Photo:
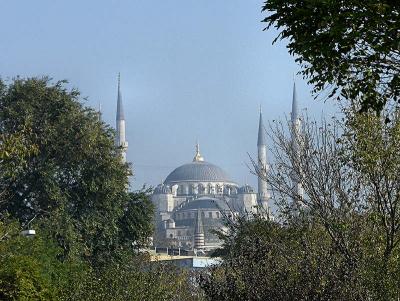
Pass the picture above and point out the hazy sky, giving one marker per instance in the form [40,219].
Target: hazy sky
[189,70]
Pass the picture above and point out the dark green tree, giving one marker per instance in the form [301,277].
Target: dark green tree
[265,260]
[348,49]
[73,181]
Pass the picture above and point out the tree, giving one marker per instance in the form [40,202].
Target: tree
[350,49]
[136,224]
[59,165]
[135,278]
[265,260]
[30,269]
[73,180]
[339,239]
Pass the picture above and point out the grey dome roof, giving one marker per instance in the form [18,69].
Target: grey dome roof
[204,203]
[198,171]
[162,189]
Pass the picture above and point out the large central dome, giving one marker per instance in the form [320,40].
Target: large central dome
[198,171]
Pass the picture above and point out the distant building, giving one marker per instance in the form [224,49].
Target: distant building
[195,197]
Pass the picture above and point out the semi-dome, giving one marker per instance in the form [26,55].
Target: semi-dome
[205,203]
[198,171]
[162,189]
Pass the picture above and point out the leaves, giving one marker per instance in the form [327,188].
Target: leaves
[349,49]
[63,167]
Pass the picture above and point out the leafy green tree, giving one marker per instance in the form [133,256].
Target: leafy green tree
[74,181]
[30,269]
[59,166]
[339,239]
[349,49]
[136,278]
[265,260]
[349,174]
[136,223]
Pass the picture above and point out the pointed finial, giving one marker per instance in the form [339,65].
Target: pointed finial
[260,109]
[119,79]
[198,156]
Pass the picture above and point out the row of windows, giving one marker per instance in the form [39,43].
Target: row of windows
[187,215]
[206,189]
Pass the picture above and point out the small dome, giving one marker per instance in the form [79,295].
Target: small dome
[205,203]
[246,189]
[162,189]
[198,171]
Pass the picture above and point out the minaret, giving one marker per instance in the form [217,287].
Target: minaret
[262,166]
[199,233]
[295,136]
[100,112]
[120,138]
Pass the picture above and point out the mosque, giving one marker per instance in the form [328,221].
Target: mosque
[197,197]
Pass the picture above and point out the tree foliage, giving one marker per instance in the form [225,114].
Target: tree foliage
[30,269]
[350,49]
[339,239]
[265,260]
[73,178]
[59,166]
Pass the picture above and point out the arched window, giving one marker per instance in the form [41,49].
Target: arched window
[210,214]
[202,214]
[201,189]
[217,214]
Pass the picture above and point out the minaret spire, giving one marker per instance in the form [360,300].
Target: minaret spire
[295,136]
[100,111]
[262,166]
[120,124]
[295,110]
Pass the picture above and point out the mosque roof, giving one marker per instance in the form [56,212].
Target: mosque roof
[246,189]
[205,203]
[198,171]
[162,189]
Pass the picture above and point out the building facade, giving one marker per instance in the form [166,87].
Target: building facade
[198,196]
[195,198]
